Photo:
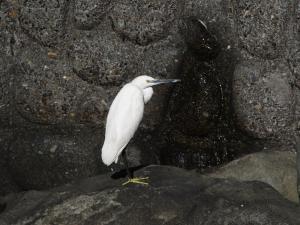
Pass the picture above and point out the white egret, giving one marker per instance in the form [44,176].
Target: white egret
[124,117]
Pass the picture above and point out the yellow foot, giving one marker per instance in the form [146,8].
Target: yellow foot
[137,180]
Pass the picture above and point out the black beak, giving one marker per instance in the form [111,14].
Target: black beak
[164,81]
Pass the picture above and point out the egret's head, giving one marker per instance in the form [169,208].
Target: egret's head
[145,81]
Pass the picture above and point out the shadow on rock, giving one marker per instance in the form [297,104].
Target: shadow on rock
[174,196]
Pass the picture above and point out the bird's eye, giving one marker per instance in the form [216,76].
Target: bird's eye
[148,81]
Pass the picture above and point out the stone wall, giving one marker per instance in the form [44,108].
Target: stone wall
[62,62]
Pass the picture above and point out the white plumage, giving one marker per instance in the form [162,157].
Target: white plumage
[125,115]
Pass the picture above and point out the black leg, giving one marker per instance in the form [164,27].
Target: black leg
[124,156]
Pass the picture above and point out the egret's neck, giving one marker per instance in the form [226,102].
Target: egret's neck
[148,92]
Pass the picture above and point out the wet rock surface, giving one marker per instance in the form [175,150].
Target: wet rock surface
[174,196]
[62,62]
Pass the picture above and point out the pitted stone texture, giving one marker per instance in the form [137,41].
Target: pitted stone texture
[144,21]
[264,99]
[262,26]
[89,14]
[48,92]
[43,159]
[43,21]
[100,58]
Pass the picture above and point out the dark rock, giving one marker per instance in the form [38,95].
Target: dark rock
[43,21]
[219,18]
[2,207]
[298,163]
[47,92]
[174,196]
[111,62]
[264,99]
[62,62]
[143,22]
[197,100]
[53,87]
[89,14]
[7,183]
[199,39]
[6,91]
[263,27]
[43,159]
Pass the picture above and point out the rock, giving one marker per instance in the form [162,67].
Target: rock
[43,21]
[276,168]
[298,163]
[44,159]
[6,91]
[47,92]
[2,207]
[198,39]
[146,21]
[174,196]
[89,14]
[7,183]
[62,62]
[264,99]
[199,81]
[263,27]
[62,80]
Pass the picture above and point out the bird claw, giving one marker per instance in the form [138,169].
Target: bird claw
[137,180]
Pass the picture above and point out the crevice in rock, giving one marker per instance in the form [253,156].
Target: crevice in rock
[199,131]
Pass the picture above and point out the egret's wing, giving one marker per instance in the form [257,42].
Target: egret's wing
[124,117]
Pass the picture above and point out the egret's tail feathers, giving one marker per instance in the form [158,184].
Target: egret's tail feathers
[107,160]
[111,152]
[108,156]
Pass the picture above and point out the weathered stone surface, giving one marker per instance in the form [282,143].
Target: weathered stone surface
[89,14]
[43,159]
[174,196]
[86,68]
[276,168]
[43,21]
[47,92]
[264,99]
[263,28]
[145,21]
